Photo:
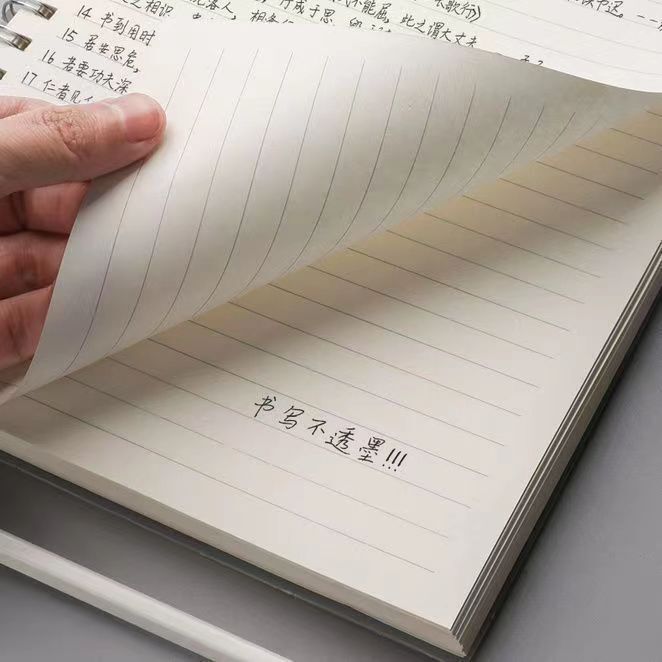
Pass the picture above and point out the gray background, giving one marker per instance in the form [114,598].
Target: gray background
[591,589]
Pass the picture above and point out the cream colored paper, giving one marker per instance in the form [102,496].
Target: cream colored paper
[284,145]
[457,337]
[460,342]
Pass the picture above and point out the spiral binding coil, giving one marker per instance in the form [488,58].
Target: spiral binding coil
[14,39]
[41,9]
[8,11]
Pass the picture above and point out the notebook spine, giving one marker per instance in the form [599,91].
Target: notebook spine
[9,10]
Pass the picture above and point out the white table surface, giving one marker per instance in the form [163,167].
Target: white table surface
[590,591]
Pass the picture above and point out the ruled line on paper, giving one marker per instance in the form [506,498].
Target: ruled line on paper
[627,153]
[375,359]
[525,144]
[198,229]
[407,29]
[519,248]
[540,223]
[613,158]
[397,27]
[588,131]
[479,167]
[116,235]
[432,312]
[223,405]
[241,451]
[75,76]
[164,208]
[451,160]
[123,5]
[561,133]
[641,23]
[405,336]
[209,476]
[250,187]
[50,94]
[390,401]
[568,27]
[97,303]
[178,79]
[292,180]
[591,181]
[553,50]
[519,39]
[211,11]
[286,13]
[403,27]
[82,47]
[565,202]
[374,167]
[325,411]
[398,197]
[454,287]
[484,266]
[341,148]
[633,135]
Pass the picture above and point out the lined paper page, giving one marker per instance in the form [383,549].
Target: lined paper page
[286,144]
[378,413]
[611,42]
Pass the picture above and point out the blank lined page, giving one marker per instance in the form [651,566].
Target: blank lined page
[378,413]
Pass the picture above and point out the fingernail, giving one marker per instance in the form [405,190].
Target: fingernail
[143,117]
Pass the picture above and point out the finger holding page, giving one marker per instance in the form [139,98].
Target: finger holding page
[46,154]
[51,144]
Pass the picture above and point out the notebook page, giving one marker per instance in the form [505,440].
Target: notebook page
[341,137]
[207,479]
[379,413]
[610,41]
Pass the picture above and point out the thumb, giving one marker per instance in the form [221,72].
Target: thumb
[56,144]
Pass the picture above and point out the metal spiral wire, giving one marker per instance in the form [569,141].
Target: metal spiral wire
[10,7]
[13,39]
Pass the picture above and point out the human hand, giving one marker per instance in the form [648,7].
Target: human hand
[48,155]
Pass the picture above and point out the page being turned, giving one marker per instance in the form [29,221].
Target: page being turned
[284,145]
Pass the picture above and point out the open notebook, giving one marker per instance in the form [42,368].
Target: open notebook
[435,257]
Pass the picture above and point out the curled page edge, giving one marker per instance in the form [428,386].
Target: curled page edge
[502,85]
